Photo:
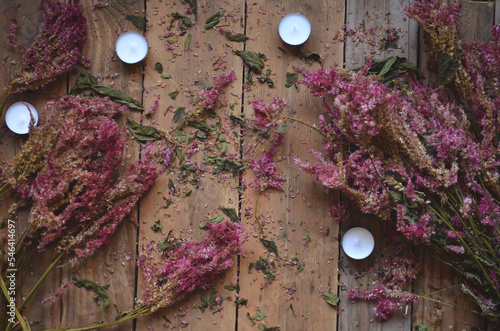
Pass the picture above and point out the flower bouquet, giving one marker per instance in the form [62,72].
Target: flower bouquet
[423,155]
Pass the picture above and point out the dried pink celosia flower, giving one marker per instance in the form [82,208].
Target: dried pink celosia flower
[390,290]
[59,292]
[172,274]
[428,154]
[68,176]
[56,49]
[265,169]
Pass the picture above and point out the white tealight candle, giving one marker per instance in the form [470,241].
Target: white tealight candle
[18,117]
[294,29]
[358,243]
[131,47]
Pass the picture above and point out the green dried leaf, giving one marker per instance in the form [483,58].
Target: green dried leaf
[260,315]
[211,301]
[231,213]
[184,19]
[270,246]
[213,220]
[173,95]
[300,268]
[164,76]
[422,327]
[262,327]
[178,113]
[447,67]
[171,185]
[230,287]
[331,298]
[159,67]
[101,292]
[142,133]
[213,20]
[241,302]
[392,68]
[236,37]
[307,238]
[311,56]
[293,311]
[266,79]
[236,120]
[157,226]
[252,59]
[291,79]
[203,126]
[388,65]
[169,244]
[251,319]
[225,164]
[282,129]
[90,82]
[187,42]
[138,21]
[194,7]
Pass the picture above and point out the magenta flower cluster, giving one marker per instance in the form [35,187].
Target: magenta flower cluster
[390,290]
[173,273]
[269,117]
[56,49]
[427,154]
[75,198]
[210,97]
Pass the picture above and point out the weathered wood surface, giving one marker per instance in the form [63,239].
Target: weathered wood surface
[292,301]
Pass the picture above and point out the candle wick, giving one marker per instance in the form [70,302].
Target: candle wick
[294,29]
[356,242]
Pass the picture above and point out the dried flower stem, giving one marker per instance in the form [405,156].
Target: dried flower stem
[21,320]
[255,212]
[135,313]
[324,134]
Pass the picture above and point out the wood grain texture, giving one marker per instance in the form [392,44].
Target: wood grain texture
[452,309]
[29,17]
[297,219]
[443,305]
[192,67]
[477,19]
[379,15]
[114,265]
[372,14]
[300,213]
[497,12]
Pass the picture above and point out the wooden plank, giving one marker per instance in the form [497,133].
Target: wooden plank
[29,17]
[114,265]
[377,14]
[192,65]
[444,306]
[300,213]
[476,21]
[449,313]
[497,12]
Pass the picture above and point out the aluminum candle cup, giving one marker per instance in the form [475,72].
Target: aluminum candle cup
[294,29]
[18,117]
[358,243]
[131,47]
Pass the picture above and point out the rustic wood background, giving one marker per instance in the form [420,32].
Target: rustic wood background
[286,216]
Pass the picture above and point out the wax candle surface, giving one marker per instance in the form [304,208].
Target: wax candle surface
[358,243]
[294,29]
[18,117]
[131,47]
